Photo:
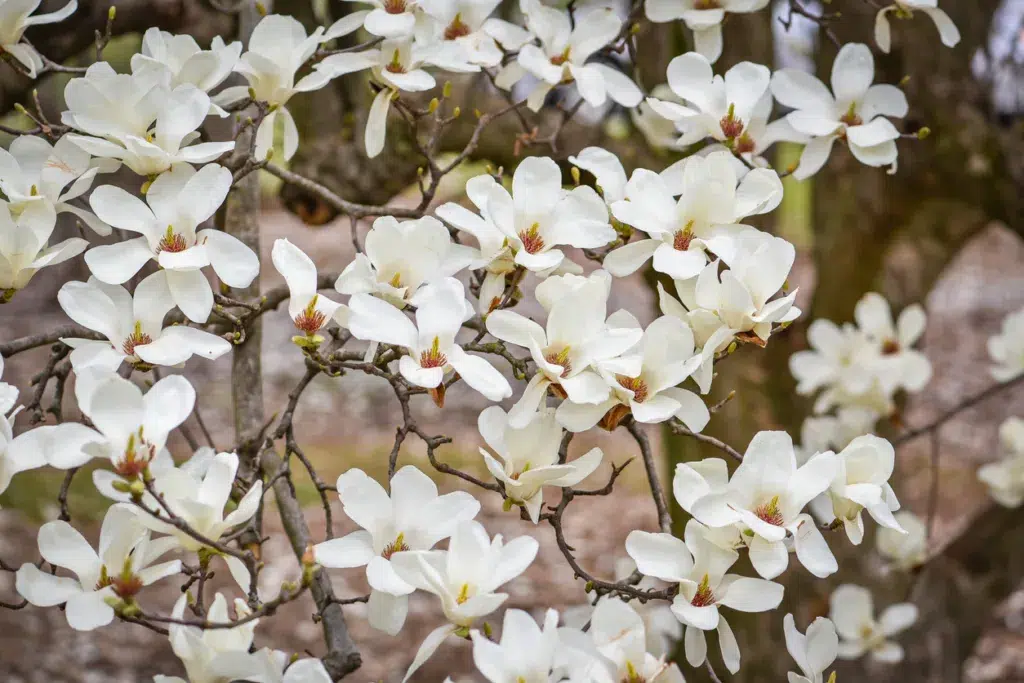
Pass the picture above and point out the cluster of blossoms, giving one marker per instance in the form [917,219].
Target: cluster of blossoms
[424,303]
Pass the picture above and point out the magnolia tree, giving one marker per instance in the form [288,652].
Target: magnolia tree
[432,303]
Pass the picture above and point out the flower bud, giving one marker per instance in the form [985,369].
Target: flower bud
[446,91]
[434,104]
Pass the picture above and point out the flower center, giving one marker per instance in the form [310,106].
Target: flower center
[634,384]
[456,29]
[851,117]
[732,127]
[310,320]
[463,595]
[745,144]
[890,347]
[433,358]
[136,338]
[681,240]
[769,512]
[559,60]
[560,358]
[172,242]
[632,675]
[706,4]
[396,546]
[126,584]
[394,6]
[704,595]
[138,453]
[395,65]
[531,239]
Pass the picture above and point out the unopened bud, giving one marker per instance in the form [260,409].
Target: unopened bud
[832,677]
[111,13]
[457,113]
[261,9]
[904,80]
[477,113]
[507,504]
[130,610]
[121,486]
[575,173]
[18,107]
[434,104]
[588,587]
[252,94]
[635,28]
[487,629]
[136,488]
[732,347]
[446,91]
[924,132]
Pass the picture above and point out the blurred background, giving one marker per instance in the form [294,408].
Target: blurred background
[946,231]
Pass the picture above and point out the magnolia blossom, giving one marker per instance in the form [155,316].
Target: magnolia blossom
[123,565]
[740,296]
[35,177]
[24,247]
[494,255]
[210,655]
[765,496]
[467,29]
[310,311]
[263,666]
[401,256]
[645,382]
[699,567]
[278,48]
[530,458]
[540,216]
[862,483]
[721,108]
[178,202]
[702,17]
[524,653]
[905,549]
[1007,348]
[12,458]
[901,364]
[576,337]
[15,17]
[413,517]
[187,63]
[813,652]
[430,342]
[904,9]
[852,612]
[618,633]
[840,360]
[564,50]
[705,218]
[709,334]
[200,503]
[132,325]
[1005,477]
[465,577]
[854,110]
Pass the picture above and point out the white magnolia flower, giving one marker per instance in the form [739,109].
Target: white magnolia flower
[540,216]
[32,172]
[186,61]
[702,17]
[206,653]
[106,104]
[278,48]
[1007,348]
[766,495]
[122,566]
[564,50]
[24,247]
[413,517]
[268,666]
[704,219]
[397,64]
[524,653]
[430,342]
[466,578]
[908,548]
[529,457]
[813,652]
[645,382]
[699,567]
[904,9]
[13,459]
[740,296]
[401,256]
[862,483]
[721,108]
[1005,477]
[15,18]
[577,336]
[853,613]
[178,202]
[469,32]
[494,255]
[900,364]
[841,360]
[200,503]
[310,311]
[854,110]
[709,334]
[133,326]
[129,429]
[618,633]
